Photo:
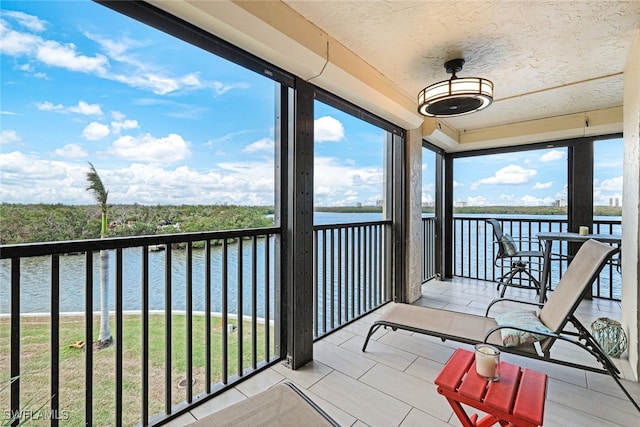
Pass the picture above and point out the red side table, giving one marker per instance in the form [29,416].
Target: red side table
[516,400]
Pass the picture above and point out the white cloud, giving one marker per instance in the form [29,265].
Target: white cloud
[612,184]
[117,126]
[327,128]
[606,190]
[528,200]
[476,201]
[264,144]
[9,136]
[70,151]
[511,174]
[16,43]
[507,199]
[332,181]
[118,116]
[125,67]
[82,107]
[149,76]
[29,179]
[552,156]
[147,148]
[86,109]
[542,185]
[31,22]
[48,106]
[95,131]
[65,56]
[121,122]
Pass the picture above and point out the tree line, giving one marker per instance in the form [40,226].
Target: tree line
[29,223]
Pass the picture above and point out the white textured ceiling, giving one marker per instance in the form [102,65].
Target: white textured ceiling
[546,58]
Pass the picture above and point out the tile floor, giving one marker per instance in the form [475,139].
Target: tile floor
[392,383]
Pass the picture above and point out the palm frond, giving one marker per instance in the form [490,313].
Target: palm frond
[97,187]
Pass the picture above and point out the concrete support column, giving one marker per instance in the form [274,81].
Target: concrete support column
[631,206]
[413,243]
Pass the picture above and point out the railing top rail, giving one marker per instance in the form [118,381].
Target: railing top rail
[541,218]
[53,248]
[351,225]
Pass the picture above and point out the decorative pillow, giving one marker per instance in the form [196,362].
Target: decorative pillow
[508,245]
[523,319]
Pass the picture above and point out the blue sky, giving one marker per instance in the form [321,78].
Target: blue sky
[167,123]
[531,178]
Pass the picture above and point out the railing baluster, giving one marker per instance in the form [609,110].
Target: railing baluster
[119,337]
[332,281]
[346,274]
[359,285]
[55,338]
[267,299]
[323,298]
[88,339]
[145,336]
[189,322]
[340,263]
[168,314]
[240,311]
[207,316]
[254,302]
[316,284]
[225,312]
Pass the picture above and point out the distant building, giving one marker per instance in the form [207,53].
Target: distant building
[358,205]
[615,201]
[561,203]
[379,203]
[460,204]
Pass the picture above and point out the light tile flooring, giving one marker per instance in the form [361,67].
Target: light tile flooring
[392,383]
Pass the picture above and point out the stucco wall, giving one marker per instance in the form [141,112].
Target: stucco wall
[631,206]
[413,246]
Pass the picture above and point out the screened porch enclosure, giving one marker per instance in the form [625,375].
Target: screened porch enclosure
[223,315]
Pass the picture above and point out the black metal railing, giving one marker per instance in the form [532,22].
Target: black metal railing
[474,249]
[352,268]
[428,248]
[191,315]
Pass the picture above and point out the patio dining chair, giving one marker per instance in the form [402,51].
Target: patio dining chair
[519,268]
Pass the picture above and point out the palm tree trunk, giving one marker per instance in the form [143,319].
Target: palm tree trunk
[105,333]
[104,338]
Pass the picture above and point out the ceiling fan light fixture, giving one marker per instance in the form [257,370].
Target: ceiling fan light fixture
[456,96]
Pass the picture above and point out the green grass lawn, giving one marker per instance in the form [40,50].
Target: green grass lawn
[36,361]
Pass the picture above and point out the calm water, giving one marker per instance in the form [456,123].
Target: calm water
[36,283]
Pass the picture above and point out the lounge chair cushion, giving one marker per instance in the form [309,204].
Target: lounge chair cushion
[508,246]
[524,319]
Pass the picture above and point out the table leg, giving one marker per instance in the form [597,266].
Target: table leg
[489,420]
[461,414]
[486,421]
[546,271]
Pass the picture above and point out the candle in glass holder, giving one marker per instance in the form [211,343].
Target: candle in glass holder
[487,361]
[584,230]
